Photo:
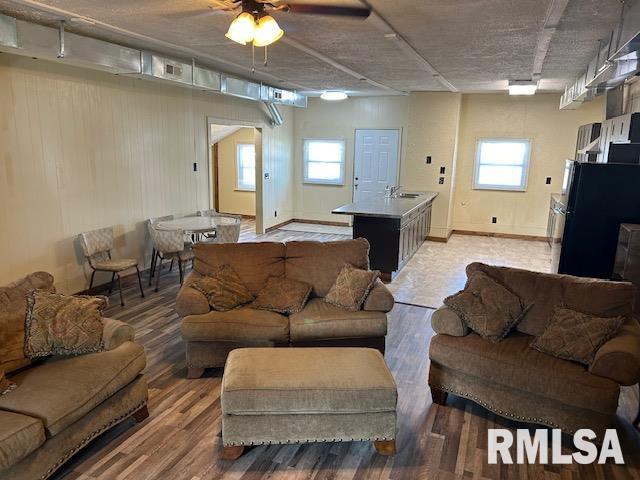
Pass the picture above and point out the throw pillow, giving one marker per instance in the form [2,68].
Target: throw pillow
[63,325]
[576,336]
[282,295]
[5,385]
[487,307]
[351,287]
[224,289]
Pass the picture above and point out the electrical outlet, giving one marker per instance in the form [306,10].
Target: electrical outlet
[494,219]
[195,166]
[548,181]
[428,160]
[441,181]
[442,170]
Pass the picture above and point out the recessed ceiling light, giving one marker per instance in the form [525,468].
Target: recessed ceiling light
[334,96]
[522,87]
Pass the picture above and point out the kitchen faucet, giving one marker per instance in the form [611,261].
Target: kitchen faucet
[391,192]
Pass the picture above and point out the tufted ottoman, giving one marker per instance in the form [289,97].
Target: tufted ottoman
[296,395]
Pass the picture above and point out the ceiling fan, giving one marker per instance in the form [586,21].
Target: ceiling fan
[255,25]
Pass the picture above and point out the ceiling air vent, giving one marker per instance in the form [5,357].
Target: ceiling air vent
[174,70]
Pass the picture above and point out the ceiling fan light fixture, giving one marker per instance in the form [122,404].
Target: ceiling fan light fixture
[267,31]
[334,96]
[243,29]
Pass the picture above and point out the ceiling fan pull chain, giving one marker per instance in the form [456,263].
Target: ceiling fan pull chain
[266,56]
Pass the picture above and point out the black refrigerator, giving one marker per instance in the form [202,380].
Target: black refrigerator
[598,197]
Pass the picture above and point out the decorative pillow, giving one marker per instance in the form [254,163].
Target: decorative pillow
[351,288]
[63,325]
[487,307]
[576,336]
[224,289]
[5,385]
[282,295]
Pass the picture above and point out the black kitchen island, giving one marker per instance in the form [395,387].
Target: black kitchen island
[395,227]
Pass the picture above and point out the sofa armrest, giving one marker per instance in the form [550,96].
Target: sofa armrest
[445,321]
[190,301]
[619,358]
[115,333]
[379,299]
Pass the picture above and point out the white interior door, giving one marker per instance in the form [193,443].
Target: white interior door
[376,162]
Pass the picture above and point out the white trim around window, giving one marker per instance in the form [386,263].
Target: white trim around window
[324,161]
[246,167]
[502,164]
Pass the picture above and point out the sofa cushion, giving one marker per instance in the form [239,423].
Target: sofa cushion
[253,262]
[319,263]
[576,336]
[320,320]
[242,324]
[545,291]
[351,287]
[515,365]
[63,389]
[13,308]
[486,307]
[282,295]
[59,324]
[260,381]
[224,289]
[19,436]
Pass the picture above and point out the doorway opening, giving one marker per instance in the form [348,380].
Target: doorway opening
[235,152]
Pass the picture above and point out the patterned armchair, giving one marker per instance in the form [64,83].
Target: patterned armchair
[169,245]
[97,246]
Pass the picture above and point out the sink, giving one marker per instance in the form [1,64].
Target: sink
[408,195]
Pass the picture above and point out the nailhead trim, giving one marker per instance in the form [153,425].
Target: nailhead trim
[312,440]
[90,437]
[542,421]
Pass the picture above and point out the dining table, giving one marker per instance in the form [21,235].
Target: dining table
[196,225]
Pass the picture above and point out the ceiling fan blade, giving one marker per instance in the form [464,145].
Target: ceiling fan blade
[218,6]
[305,8]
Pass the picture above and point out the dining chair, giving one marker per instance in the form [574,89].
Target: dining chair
[227,233]
[208,213]
[97,246]
[169,245]
[152,222]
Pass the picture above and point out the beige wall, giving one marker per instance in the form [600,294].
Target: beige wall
[231,199]
[339,120]
[81,150]
[553,135]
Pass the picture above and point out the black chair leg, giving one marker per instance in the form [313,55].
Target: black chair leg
[158,272]
[152,269]
[140,282]
[120,288]
[93,274]
[181,271]
[171,266]
[113,277]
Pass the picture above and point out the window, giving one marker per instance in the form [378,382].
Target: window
[246,166]
[324,161]
[501,164]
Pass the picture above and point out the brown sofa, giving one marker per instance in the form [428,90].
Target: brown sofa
[515,381]
[62,403]
[211,335]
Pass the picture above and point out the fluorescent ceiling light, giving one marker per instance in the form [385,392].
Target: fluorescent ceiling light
[522,87]
[334,96]
[242,29]
[267,32]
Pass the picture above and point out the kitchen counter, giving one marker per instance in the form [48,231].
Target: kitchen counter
[395,228]
[379,206]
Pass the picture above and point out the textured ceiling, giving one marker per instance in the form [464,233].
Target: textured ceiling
[475,45]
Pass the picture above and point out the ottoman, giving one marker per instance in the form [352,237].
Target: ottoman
[297,395]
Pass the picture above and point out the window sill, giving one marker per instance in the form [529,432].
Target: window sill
[501,189]
[323,184]
[250,190]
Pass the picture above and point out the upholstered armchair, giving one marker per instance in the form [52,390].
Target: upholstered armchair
[97,246]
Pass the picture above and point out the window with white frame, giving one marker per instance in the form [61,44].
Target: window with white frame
[501,164]
[324,161]
[246,166]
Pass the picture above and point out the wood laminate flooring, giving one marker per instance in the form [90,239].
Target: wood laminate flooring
[181,438]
